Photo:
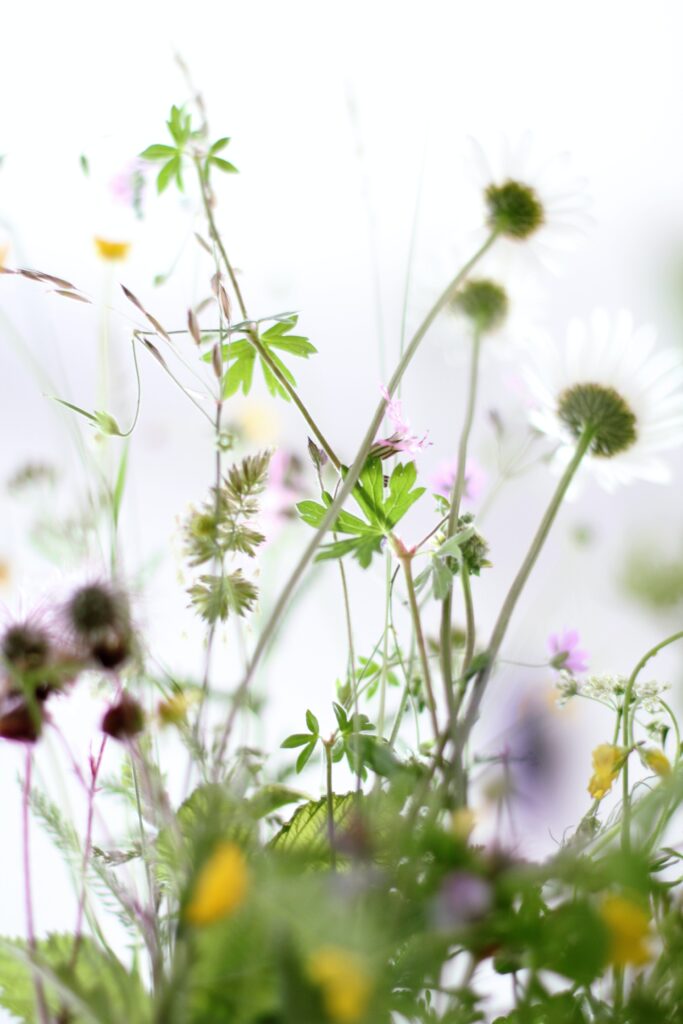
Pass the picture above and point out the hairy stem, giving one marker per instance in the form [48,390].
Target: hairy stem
[421,646]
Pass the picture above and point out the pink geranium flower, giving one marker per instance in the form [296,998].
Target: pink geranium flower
[565,653]
[444,478]
[402,439]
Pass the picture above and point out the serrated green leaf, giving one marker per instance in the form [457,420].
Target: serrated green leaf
[306,831]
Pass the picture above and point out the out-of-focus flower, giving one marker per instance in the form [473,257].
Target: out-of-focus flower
[657,761]
[111,251]
[4,253]
[606,379]
[98,617]
[259,422]
[444,478]
[565,653]
[483,302]
[128,185]
[532,197]
[607,762]
[567,687]
[463,898]
[628,925]
[283,490]
[401,440]
[463,821]
[345,985]
[174,710]
[610,689]
[18,721]
[221,886]
[124,719]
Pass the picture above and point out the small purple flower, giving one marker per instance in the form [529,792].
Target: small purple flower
[127,186]
[565,653]
[444,478]
[401,440]
[463,898]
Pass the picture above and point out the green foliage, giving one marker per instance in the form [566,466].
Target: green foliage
[306,832]
[382,505]
[240,355]
[172,157]
[92,988]
[222,527]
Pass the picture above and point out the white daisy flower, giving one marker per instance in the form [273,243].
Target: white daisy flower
[608,378]
[535,201]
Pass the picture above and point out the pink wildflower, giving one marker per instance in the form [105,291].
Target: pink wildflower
[401,440]
[444,478]
[565,653]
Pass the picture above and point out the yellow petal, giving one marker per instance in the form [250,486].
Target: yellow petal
[110,250]
[221,886]
[629,927]
[344,983]
[657,761]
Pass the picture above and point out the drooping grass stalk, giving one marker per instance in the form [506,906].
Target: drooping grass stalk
[252,333]
[345,490]
[626,804]
[518,584]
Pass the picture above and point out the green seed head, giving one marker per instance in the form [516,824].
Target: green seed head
[602,410]
[514,209]
[484,302]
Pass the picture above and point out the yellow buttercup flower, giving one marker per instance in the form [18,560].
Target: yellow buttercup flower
[607,760]
[629,928]
[221,886]
[173,710]
[344,983]
[657,761]
[462,822]
[111,251]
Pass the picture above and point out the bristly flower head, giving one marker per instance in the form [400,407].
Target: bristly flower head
[565,653]
[98,616]
[124,719]
[34,664]
[607,379]
[483,302]
[531,198]
[401,440]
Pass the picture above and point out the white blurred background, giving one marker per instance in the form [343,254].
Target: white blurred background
[349,125]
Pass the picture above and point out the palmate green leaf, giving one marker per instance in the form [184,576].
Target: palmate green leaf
[215,597]
[158,152]
[240,357]
[297,739]
[306,831]
[98,989]
[381,514]
[306,754]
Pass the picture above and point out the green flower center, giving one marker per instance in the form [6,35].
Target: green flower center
[602,410]
[484,302]
[514,209]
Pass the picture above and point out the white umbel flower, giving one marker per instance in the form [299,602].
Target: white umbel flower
[608,376]
[535,200]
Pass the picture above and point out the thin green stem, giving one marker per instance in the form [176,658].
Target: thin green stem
[457,492]
[513,595]
[470,628]
[330,805]
[419,635]
[385,649]
[349,483]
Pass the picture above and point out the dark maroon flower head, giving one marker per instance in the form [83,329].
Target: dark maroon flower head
[19,720]
[124,719]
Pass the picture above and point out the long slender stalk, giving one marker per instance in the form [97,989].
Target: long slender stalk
[513,595]
[330,805]
[456,498]
[349,483]
[421,646]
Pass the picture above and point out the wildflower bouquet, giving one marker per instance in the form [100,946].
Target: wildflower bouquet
[221,882]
